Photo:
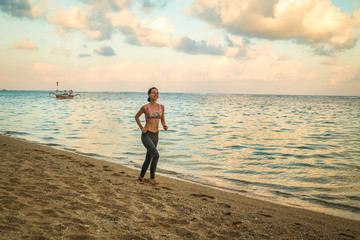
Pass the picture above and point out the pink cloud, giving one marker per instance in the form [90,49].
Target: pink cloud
[283,57]
[25,45]
[125,71]
[44,67]
[265,74]
[73,18]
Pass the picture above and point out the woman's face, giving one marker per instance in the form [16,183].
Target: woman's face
[154,95]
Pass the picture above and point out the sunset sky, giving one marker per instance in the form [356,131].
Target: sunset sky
[307,47]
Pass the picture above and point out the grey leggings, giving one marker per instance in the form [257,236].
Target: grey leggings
[150,141]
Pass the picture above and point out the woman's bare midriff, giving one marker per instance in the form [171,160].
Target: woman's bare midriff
[152,125]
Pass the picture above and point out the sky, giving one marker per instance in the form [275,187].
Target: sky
[307,47]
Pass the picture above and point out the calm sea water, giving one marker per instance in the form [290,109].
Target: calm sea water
[297,150]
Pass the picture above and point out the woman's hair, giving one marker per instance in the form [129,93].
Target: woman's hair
[150,92]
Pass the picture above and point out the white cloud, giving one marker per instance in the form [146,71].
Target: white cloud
[25,45]
[98,20]
[143,32]
[73,18]
[314,22]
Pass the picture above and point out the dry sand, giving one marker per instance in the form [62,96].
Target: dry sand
[51,194]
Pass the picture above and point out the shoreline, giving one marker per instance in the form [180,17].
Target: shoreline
[51,193]
[346,212]
[206,93]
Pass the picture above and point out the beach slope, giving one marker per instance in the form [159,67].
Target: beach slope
[47,193]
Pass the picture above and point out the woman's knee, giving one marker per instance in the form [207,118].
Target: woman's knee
[155,155]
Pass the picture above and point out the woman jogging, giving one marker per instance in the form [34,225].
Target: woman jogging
[154,113]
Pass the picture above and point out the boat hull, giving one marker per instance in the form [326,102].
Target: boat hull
[64,97]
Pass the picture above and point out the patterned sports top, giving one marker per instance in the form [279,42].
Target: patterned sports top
[153,114]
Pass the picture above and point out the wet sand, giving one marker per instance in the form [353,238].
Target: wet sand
[47,193]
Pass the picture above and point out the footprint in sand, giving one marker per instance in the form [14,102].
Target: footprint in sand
[106,168]
[172,221]
[118,174]
[203,196]
[87,164]
[62,156]
[237,223]
[224,205]
[265,215]
[40,151]
[346,235]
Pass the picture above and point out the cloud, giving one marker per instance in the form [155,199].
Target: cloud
[341,75]
[356,77]
[100,19]
[84,55]
[220,74]
[159,33]
[99,27]
[225,68]
[88,20]
[191,46]
[105,50]
[61,51]
[97,20]
[317,23]
[108,5]
[283,57]
[333,60]
[44,67]
[25,45]
[66,20]
[126,71]
[143,32]
[221,70]
[148,5]
[24,8]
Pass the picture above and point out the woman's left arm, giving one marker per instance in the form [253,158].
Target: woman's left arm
[163,118]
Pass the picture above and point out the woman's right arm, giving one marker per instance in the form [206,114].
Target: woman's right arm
[137,119]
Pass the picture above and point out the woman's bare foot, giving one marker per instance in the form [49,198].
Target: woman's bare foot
[153,181]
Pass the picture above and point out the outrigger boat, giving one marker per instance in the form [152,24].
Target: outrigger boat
[63,94]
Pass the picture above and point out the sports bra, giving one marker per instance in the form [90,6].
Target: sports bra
[153,114]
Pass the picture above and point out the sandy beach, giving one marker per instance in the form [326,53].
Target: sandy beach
[47,193]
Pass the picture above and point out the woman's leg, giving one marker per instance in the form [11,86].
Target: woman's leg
[150,141]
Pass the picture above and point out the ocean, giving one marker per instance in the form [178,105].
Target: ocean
[301,151]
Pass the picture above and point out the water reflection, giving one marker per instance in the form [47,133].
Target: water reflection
[282,147]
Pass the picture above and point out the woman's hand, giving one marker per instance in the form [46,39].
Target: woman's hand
[144,130]
[165,127]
